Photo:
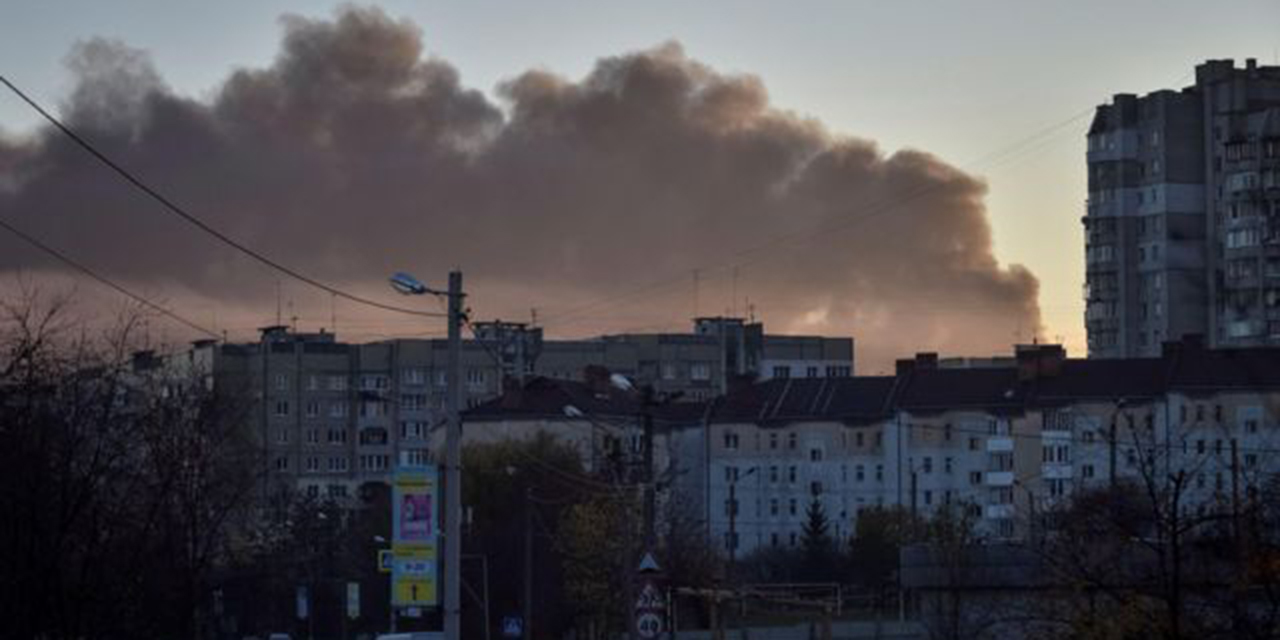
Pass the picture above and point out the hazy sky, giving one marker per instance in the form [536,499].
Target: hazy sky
[963,81]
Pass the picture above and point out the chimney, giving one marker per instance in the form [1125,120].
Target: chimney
[596,378]
[926,361]
[1039,360]
[1251,64]
[904,366]
[512,393]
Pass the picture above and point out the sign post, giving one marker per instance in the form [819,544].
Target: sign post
[649,612]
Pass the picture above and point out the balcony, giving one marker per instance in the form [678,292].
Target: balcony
[999,511]
[999,478]
[999,445]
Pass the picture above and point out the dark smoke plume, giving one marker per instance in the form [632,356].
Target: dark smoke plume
[352,156]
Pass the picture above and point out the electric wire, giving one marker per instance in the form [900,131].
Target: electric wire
[169,205]
[103,280]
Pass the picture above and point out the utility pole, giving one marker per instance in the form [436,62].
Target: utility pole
[733,528]
[453,467]
[650,496]
[528,563]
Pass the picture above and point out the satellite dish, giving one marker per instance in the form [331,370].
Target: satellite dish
[407,284]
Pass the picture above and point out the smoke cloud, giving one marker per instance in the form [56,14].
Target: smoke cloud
[353,155]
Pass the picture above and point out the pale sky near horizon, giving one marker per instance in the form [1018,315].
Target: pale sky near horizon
[960,80]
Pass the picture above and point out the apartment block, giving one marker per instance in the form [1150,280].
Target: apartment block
[330,416]
[1182,222]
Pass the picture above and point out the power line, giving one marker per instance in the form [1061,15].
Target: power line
[104,280]
[172,207]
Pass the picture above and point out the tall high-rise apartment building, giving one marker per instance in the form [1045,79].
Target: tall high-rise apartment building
[1182,224]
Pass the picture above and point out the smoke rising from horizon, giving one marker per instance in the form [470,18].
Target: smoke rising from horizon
[352,156]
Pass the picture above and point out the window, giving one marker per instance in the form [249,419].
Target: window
[791,506]
[1200,446]
[730,474]
[337,491]
[1086,471]
[337,383]
[415,457]
[476,377]
[313,464]
[338,409]
[928,497]
[838,371]
[879,473]
[773,506]
[282,381]
[282,463]
[282,407]
[946,432]
[773,539]
[815,455]
[337,436]
[815,488]
[791,440]
[373,462]
[773,474]
[700,371]
[313,435]
[313,383]
[857,439]
[1250,460]
[372,409]
[927,464]
[975,477]
[313,491]
[773,441]
[947,465]
[973,444]
[413,376]
[791,474]
[1057,487]
[730,440]
[313,409]
[859,473]
[811,372]
[413,430]
[1251,426]
[730,540]
[413,402]
[282,435]
[782,372]
[337,464]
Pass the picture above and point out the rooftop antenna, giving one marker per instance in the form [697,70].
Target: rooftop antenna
[293,319]
[278,302]
[696,274]
[733,304]
[533,316]
[333,313]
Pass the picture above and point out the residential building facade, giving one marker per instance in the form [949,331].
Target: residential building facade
[1182,222]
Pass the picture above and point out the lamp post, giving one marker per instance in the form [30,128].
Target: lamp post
[408,285]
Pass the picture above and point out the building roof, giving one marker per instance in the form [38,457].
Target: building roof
[1084,380]
[994,390]
[851,399]
[549,398]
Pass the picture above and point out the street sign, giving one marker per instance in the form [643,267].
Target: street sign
[650,615]
[386,559]
[512,626]
[413,575]
[648,564]
[302,603]
[353,600]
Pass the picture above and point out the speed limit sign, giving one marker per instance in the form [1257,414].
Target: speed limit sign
[650,611]
[649,625]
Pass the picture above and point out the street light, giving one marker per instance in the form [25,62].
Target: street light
[409,285]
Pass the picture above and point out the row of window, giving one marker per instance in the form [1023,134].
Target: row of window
[833,371]
[375,382]
[342,464]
